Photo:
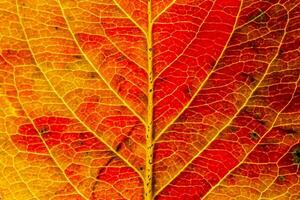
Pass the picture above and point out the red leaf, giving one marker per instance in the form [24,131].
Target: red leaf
[149,99]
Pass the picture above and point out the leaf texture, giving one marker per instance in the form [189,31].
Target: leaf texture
[157,99]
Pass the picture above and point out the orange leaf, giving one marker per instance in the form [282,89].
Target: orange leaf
[119,99]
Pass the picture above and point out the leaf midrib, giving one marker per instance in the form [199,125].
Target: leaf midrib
[148,183]
[149,122]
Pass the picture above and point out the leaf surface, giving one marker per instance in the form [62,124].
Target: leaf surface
[119,99]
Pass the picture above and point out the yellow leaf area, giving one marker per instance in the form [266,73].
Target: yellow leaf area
[149,99]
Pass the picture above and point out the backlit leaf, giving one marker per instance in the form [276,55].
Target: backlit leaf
[149,99]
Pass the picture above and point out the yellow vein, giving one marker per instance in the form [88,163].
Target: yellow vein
[74,114]
[13,160]
[94,67]
[27,186]
[119,192]
[202,84]
[278,172]
[231,120]
[6,131]
[117,47]
[49,151]
[189,44]
[275,178]
[129,17]
[164,10]
[50,154]
[148,183]
[54,160]
[274,121]
[258,16]
[284,107]
[253,148]
[114,44]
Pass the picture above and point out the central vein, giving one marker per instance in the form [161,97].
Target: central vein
[149,129]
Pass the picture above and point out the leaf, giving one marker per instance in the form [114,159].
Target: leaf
[118,99]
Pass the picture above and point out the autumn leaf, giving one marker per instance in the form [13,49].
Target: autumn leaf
[149,99]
